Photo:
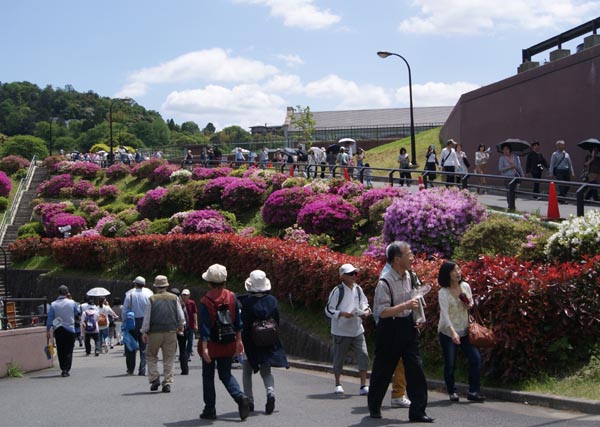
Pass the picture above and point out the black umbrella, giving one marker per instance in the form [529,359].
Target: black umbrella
[335,148]
[290,151]
[517,146]
[589,144]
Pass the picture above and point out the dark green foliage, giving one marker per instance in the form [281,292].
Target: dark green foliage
[160,226]
[3,203]
[30,229]
[25,146]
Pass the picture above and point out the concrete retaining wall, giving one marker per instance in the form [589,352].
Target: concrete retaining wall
[24,348]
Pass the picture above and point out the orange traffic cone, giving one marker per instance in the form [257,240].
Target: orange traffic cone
[270,165]
[421,185]
[346,174]
[553,212]
[292,170]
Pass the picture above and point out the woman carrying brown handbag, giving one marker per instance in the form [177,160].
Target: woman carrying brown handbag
[455,299]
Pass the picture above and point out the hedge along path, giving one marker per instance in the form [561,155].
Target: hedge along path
[542,314]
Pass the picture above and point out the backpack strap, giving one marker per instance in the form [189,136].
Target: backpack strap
[381,279]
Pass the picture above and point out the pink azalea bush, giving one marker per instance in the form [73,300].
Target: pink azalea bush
[145,169]
[11,164]
[348,190]
[372,196]
[5,184]
[138,228]
[213,190]
[432,221]
[201,173]
[118,171]
[103,221]
[83,188]
[161,174]
[276,180]
[205,221]
[282,206]
[87,170]
[52,186]
[46,211]
[149,205]
[108,191]
[329,214]
[77,223]
[243,194]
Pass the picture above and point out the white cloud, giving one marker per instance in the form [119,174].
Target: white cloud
[243,105]
[349,94]
[132,90]
[298,13]
[469,17]
[289,83]
[433,94]
[291,60]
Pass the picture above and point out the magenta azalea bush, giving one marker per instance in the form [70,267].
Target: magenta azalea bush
[47,211]
[372,196]
[213,190]
[108,191]
[276,180]
[52,186]
[161,175]
[83,189]
[103,221]
[11,164]
[201,173]
[243,194]
[282,206]
[77,223]
[118,171]
[5,184]
[149,205]
[145,169]
[87,170]
[204,221]
[329,214]
[348,190]
[432,221]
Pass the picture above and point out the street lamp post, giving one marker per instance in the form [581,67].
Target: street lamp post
[111,154]
[413,147]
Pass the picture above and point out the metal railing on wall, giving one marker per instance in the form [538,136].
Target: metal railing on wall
[24,184]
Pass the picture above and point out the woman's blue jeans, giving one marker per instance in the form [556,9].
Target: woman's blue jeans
[474,358]
[228,380]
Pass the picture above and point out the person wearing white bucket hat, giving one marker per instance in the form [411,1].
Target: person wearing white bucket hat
[260,308]
[220,340]
[347,306]
[136,300]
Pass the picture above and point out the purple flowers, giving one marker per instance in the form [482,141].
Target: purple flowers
[149,205]
[11,164]
[85,169]
[282,206]
[161,174]
[83,188]
[210,173]
[205,221]
[118,171]
[108,191]
[52,186]
[5,184]
[76,222]
[242,194]
[432,221]
[369,198]
[329,214]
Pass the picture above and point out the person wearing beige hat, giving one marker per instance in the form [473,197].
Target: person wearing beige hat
[259,306]
[220,339]
[347,306]
[163,319]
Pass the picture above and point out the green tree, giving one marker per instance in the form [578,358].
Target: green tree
[209,129]
[25,146]
[303,119]
[190,127]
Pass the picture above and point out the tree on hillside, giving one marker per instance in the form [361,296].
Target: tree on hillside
[305,122]
[209,129]
[25,146]
[190,127]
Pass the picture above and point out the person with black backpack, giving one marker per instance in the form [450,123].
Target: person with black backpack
[347,307]
[220,340]
[260,335]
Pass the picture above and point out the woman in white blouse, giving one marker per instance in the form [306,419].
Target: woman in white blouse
[455,299]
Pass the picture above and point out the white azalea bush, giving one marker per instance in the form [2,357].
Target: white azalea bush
[181,176]
[575,238]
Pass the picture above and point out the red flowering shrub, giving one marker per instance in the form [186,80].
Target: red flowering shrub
[22,249]
[329,214]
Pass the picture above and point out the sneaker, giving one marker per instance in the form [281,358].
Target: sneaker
[243,407]
[338,389]
[454,397]
[154,385]
[475,397]
[400,402]
[364,390]
[270,406]
[166,388]
[97,353]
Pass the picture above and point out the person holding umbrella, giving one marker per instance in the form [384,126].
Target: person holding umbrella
[535,165]
[561,168]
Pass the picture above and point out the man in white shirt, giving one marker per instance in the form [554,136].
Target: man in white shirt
[449,160]
[347,306]
[137,299]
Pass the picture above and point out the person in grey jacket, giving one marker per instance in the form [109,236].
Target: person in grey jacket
[163,320]
[61,321]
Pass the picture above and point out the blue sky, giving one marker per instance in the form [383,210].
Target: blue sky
[244,61]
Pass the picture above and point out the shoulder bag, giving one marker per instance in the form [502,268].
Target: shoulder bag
[479,335]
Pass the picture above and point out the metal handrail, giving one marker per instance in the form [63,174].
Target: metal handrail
[24,184]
